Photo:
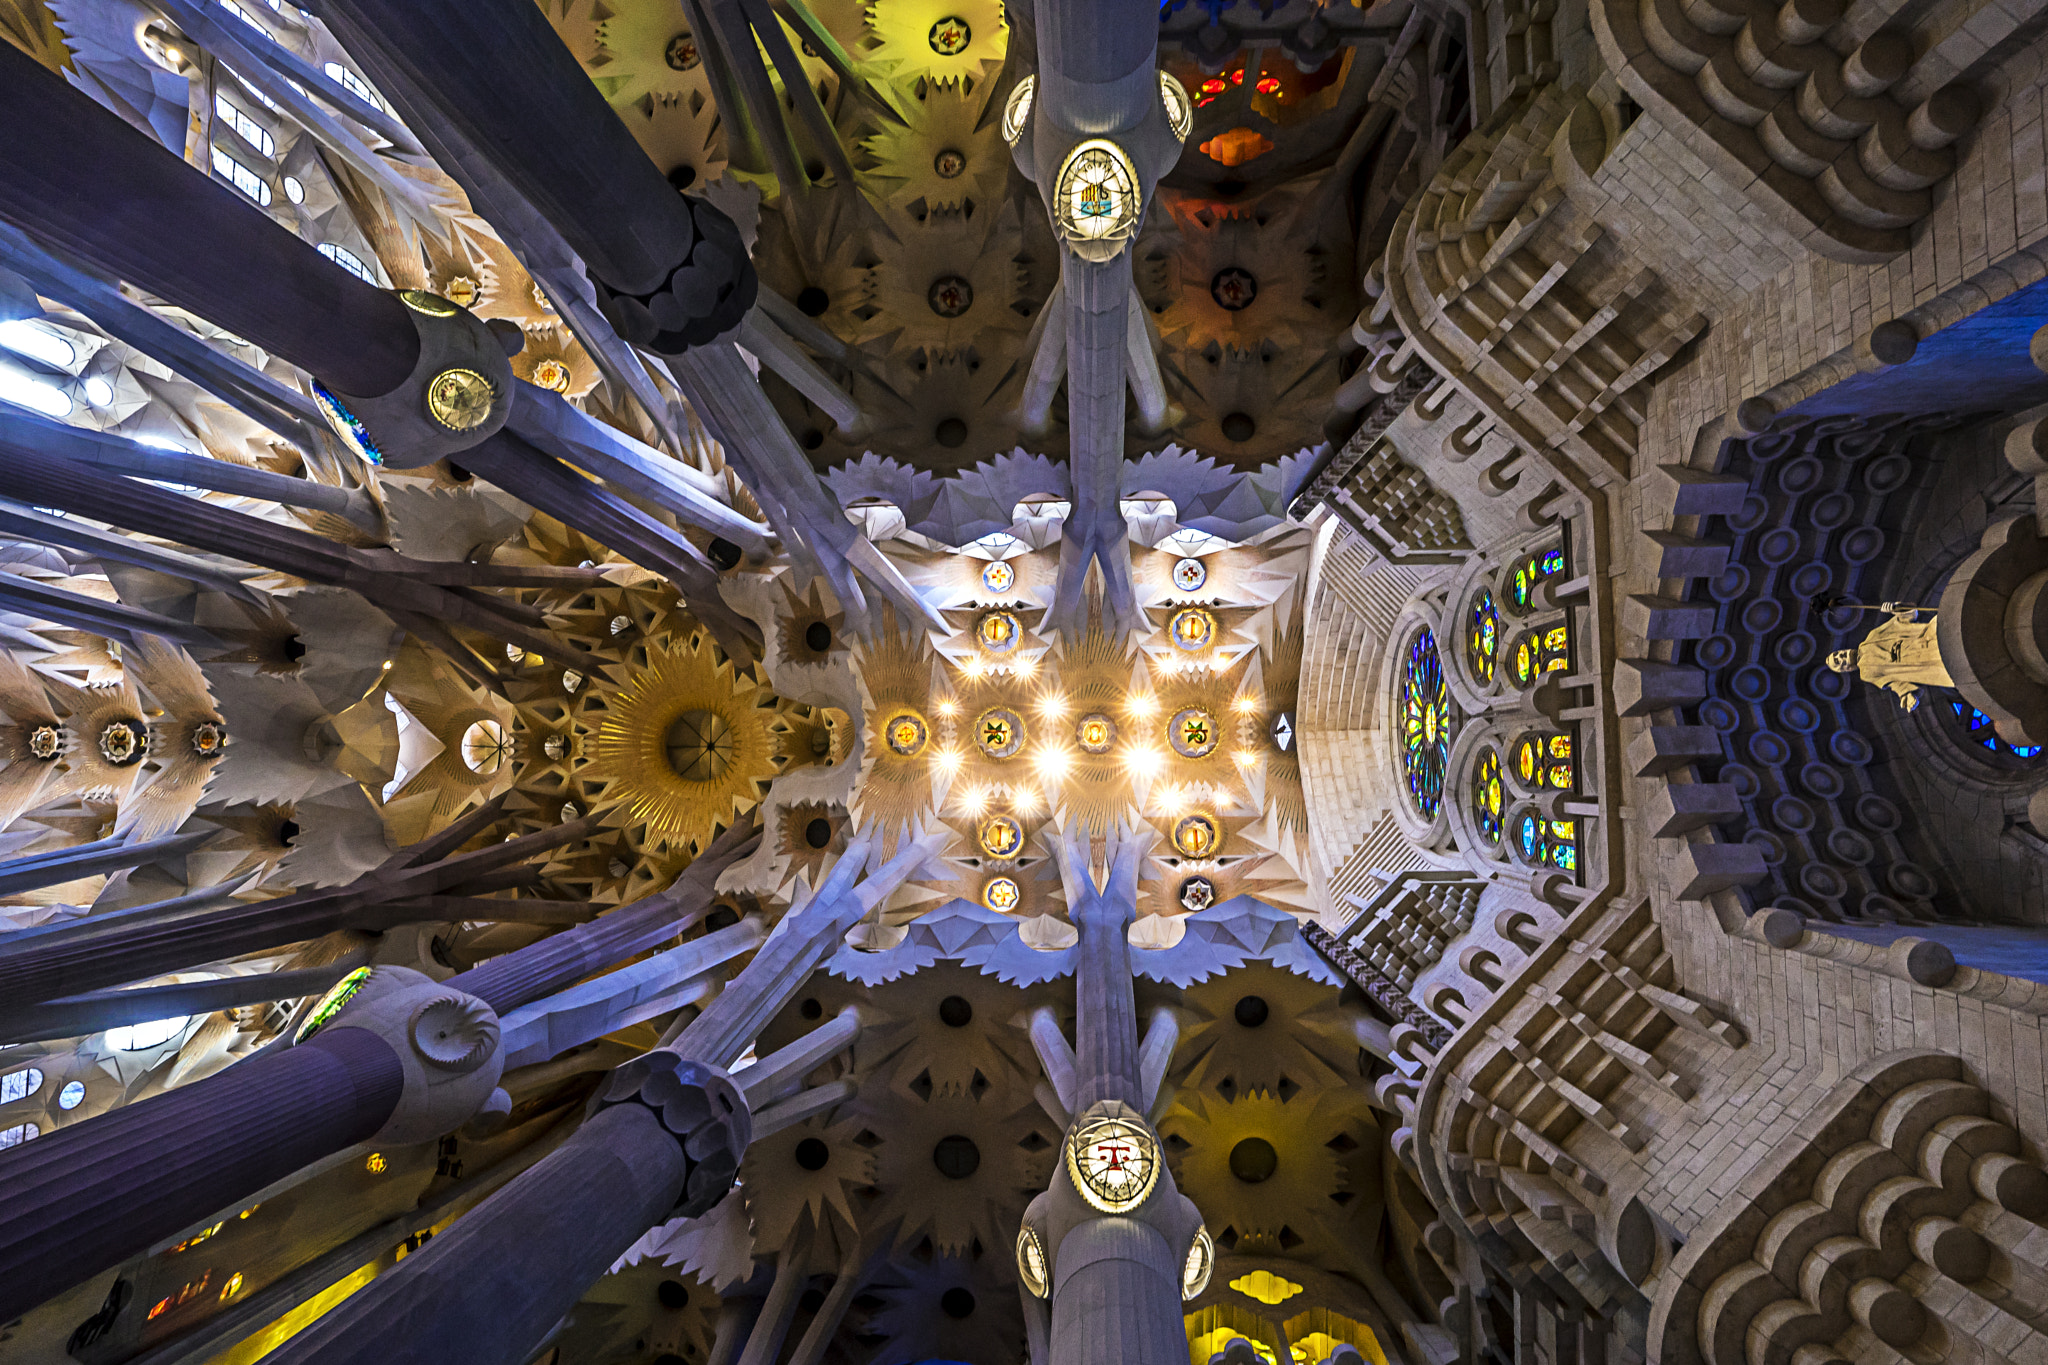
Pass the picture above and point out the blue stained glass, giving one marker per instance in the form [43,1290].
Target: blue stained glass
[1483,638]
[1979,728]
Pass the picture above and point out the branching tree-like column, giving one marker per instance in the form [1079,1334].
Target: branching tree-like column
[665,1137]
[1106,1256]
[401,1059]
[1095,129]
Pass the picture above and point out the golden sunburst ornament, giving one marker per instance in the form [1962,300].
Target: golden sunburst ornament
[690,698]
[1001,836]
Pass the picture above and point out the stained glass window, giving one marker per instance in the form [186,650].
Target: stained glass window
[1482,640]
[1549,843]
[1486,796]
[1536,653]
[1544,761]
[1425,723]
[1530,571]
[1977,726]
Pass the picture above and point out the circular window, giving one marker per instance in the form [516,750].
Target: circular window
[1095,733]
[1000,732]
[1192,629]
[485,747]
[701,746]
[123,742]
[950,36]
[949,164]
[998,632]
[1197,894]
[209,738]
[1192,732]
[681,53]
[998,577]
[1190,574]
[950,296]
[906,734]
[1197,835]
[72,1095]
[1233,288]
[1425,715]
[45,742]
[1001,836]
[1002,894]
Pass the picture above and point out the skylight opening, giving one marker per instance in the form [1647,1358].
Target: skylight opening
[241,177]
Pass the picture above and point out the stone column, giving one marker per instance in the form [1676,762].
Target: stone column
[87,860]
[665,1138]
[1114,1277]
[92,1194]
[187,238]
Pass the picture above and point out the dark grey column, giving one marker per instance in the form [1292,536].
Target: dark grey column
[186,237]
[49,962]
[666,1137]
[87,860]
[90,1195]
[517,978]
[97,1010]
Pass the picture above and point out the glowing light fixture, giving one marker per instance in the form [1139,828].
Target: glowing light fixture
[25,338]
[1180,116]
[1095,200]
[1112,1157]
[1031,1267]
[1201,1259]
[1017,109]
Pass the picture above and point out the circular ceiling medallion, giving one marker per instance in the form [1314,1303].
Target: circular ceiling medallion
[1190,574]
[434,306]
[460,399]
[551,374]
[998,576]
[1096,201]
[122,742]
[1233,288]
[1031,1262]
[1197,894]
[1192,629]
[949,164]
[1197,835]
[1000,732]
[1095,733]
[998,632]
[45,742]
[1192,732]
[950,296]
[1002,836]
[1113,1158]
[906,734]
[1194,1271]
[1002,894]
[209,738]
[461,290]
[701,746]
[950,36]
[681,53]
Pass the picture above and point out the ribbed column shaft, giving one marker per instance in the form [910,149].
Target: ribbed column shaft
[1093,57]
[86,860]
[501,75]
[487,1288]
[104,192]
[539,969]
[97,1010]
[92,1194]
[1106,1022]
[1116,1300]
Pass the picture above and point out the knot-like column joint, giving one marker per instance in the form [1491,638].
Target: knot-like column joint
[458,394]
[699,1106]
[706,296]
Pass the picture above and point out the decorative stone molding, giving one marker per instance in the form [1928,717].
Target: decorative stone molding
[1890,1222]
[1382,992]
[1504,284]
[1821,141]
[1571,1041]
[700,1107]
[447,1043]
[1993,626]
